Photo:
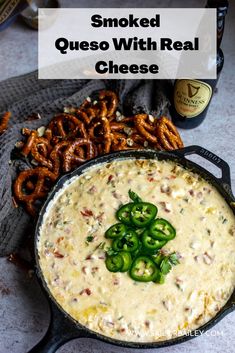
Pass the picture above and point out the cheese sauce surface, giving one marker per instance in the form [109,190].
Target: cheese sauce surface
[112,303]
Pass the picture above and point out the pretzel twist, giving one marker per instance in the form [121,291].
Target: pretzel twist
[104,134]
[146,130]
[65,126]
[80,114]
[71,155]
[168,134]
[30,186]
[29,143]
[111,101]
[40,151]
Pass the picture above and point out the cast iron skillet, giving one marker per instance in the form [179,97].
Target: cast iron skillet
[62,327]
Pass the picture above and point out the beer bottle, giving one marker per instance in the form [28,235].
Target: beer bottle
[197,94]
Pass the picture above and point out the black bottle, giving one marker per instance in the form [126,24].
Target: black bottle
[191,98]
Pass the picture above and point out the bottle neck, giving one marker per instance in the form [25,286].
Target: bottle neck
[222,9]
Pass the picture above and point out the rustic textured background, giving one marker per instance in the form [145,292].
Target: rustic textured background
[23,310]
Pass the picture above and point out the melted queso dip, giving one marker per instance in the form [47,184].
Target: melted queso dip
[112,303]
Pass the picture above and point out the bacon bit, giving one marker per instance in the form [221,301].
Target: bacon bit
[170,177]
[166,206]
[84,270]
[59,240]
[89,257]
[165,189]
[147,323]
[100,216]
[94,269]
[86,212]
[101,257]
[110,178]
[188,309]
[86,291]
[191,192]
[207,189]
[92,190]
[196,258]
[115,281]
[57,254]
[150,179]
[121,330]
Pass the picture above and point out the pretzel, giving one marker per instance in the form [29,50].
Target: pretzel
[168,134]
[29,143]
[92,112]
[40,174]
[78,113]
[144,128]
[56,157]
[104,135]
[117,126]
[71,154]
[40,150]
[111,101]
[4,122]
[65,126]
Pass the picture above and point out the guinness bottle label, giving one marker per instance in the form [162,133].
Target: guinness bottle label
[191,97]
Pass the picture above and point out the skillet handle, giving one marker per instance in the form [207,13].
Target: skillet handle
[214,159]
[60,331]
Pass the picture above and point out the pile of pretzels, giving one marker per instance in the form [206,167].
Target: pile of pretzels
[79,134]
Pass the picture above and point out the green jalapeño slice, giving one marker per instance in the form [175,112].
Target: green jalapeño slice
[161,229]
[150,244]
[142,213]
[114,263]
[124,213]
[143,269]
[118,230]
[129,242]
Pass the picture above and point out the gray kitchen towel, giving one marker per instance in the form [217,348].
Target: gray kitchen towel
[25,95]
